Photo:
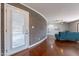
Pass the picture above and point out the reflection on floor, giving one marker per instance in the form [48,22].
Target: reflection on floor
[51,47]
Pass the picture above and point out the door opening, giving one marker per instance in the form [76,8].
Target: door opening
[16,29]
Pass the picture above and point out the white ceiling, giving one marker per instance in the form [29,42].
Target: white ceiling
[57,11]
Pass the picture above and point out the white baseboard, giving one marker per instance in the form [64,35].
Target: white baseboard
[38,42]
[28,47]
[77,41]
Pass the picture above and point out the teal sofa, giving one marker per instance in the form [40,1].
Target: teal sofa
[71,36]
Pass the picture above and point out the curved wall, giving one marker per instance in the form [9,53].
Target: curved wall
[35,20]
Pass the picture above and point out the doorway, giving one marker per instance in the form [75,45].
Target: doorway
[16,29]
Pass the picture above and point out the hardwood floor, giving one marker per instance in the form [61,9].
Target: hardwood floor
[51,47]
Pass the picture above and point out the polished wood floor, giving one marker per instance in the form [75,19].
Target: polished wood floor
[51,47]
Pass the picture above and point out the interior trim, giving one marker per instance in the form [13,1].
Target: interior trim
[77,26]
[38,42]
[2,30]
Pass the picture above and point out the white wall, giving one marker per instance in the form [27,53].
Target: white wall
[62,27]
[0,29]
[73,26]
[58,28]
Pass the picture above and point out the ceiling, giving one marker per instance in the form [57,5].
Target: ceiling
[66,12]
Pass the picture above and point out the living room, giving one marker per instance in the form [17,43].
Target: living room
[72,27]
[39,29]
[27,29]
[60,18]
